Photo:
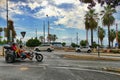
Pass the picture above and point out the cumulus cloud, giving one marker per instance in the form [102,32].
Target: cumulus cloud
[72,18]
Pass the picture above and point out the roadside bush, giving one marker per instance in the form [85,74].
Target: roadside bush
[83,43]
[63,44]
[115,51]
[33,42]
[74,45]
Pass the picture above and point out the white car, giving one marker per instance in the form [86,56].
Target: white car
[44,47]
[83,49]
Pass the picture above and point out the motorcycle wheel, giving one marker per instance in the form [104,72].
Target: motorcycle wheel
[39,57]
[9,59]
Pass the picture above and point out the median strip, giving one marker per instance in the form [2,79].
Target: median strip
[88,57]
[111,69]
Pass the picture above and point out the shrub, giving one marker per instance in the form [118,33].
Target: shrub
[115,51]
[74,45]
[33,42]
[83,43]
[63,44]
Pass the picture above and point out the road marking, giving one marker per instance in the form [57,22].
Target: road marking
[87,70]
[24,68]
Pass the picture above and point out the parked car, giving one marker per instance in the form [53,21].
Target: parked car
[44,47]
[83,49]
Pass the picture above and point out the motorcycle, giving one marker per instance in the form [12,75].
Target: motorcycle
[11,56]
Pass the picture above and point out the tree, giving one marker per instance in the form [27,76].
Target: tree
[119,38]
[63,44]
[33,42]
[101,34]
[10,31]
[95,45]
[87,27]
[112,36]
[74,45]
[19,41]
[113,3]
[52,37]
[0,33]
[91,22]
[83,43]
[108,19]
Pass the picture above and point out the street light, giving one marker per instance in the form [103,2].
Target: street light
[44,30]
[98,42]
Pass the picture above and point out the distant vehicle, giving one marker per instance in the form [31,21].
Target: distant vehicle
[83,49]
[44,47]
[57,44]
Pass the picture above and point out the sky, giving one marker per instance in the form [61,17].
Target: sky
[66,18]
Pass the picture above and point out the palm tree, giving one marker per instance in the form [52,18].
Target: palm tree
[49,37]
[54,38]
[0,33]
[87,26]
[112,36]
[119,38]
[101,34]
[9,29]
[92,21]
[108,19]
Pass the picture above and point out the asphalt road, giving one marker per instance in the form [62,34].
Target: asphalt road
[54,67]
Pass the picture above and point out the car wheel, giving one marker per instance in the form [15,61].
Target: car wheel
[37,50]
[89,51]
[49,50]
[78,50]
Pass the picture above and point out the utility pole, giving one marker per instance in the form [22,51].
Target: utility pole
[44,30]
[116,35]
[77,38]
[8,32]
[48,28]
[36,32]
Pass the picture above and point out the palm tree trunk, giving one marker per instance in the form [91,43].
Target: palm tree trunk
[92,37]
[112,44]
[87,36]
[109,36]
[0,36]
[101,42]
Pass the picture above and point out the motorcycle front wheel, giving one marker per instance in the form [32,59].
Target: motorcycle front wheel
[39,57]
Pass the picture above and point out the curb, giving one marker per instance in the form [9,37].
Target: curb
[88,57]
[111,69]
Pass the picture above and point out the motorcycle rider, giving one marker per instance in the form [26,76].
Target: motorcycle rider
[15,48]
[23,54]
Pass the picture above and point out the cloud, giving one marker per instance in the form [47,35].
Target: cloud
[20,28]
[70,18]
[59,29]
[33,5]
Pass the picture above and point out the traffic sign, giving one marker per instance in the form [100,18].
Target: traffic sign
[23,34]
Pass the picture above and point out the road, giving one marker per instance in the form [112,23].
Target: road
[55,67]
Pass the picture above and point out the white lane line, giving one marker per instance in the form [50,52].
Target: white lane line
[87,70]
